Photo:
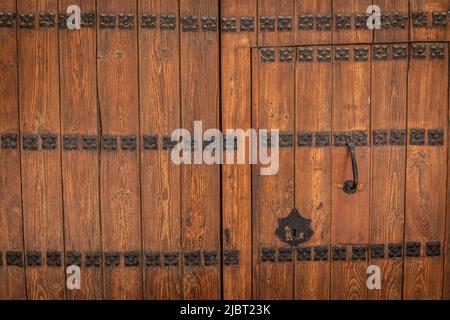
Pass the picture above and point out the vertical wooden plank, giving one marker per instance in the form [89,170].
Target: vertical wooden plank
[273,195]
[388,118]
[313,164]
[446,285]
[160,115]
[201,183]
[12,278]
[426,169]
[430,20]
[314,22]
[119,169]
[236,179]
[394,21]
[350,212]
[41,168]
[345,29]
[80,167]
[276,22]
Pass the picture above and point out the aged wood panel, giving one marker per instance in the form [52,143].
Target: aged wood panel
[276,22]
[313,166]
[430,20]
[273,195]
[388,121]
[80,169]
[314,22]
[159,85]
[201,183]
[426,169]
[350,212]
[41,168]
[236,178]
[119,169]
[446,283]
[12,278]
[345,30]
[394,23]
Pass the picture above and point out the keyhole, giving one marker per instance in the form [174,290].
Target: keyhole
[294,233]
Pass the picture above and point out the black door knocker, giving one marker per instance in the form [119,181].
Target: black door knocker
[294,229]
[351,186]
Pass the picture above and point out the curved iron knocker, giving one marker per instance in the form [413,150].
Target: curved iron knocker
[351,186]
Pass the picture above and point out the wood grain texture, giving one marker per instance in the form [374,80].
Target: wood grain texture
[79,116]
[429,33]
[392,34]
[201,183]
[353,35]
[41,170]
[313,172]
[160,178]
[446,284]
[388,99]
[276,9]
[315,8]
[273,195]
[12,278]
[236,179]
[426,176]
[117,67]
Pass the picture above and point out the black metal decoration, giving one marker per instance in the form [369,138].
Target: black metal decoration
[26,21]
[286,140]
[417,137]
[361,54]
[53,259]
[148,21]
[89,142]
[73,259]
[359,253]
[9,140]
[229,24]
[231,257]
[14,258]
[305,139]
[126,21]
[107,21]
[385,20]
[152,259]
[70,142]
[343,21]
[380,53]
[399,20]
[304,254]
[87,20]
[399,52]
[129,143]
[339,253]
[418,51]
[305,54]
[351,186]
[267,24]
[168,143]
[433,249]
[132,258]
[109,143]
[92,259]
[324,54]
[167,21]
[47,20]
[30,142]
[210,258]
[284,23]
[34,259]
[435,137]
[171,259]
[286,54]
[439,19]
[341,54]
[320,253]
[7,19]
[306,22]
[420,19]
[150,142]
[285,254]
[395,250]
[267,54]
[437,52]
[377,251]
[247,24]
[342,139]
[209,23]
[48,141]
[323,22]
[192,258]
[413,249]
[294,229]
[322,139]
[267,254]
[398,137]
[361,20]
[62,20]
[380,137]
[189,23]
[112,259]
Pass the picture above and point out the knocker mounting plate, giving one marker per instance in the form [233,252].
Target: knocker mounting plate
[294,229]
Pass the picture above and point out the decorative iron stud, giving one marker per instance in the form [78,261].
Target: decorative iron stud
[92,259]
[231,257]
[47,20]
[9,141]
[359,253]
[267,23]
[53,259]
[385,20]
[129,143]
[171,259]
[343,21]
[395,250]
[435,137]
[305,54]
[73,259]
[433,249]
[398,137]
[320,253]
[304,139]
[26,21]
[62,20]
[339,253]
[167,21]
[126,21]
[132,258]
[399,20]
[89,142]
[294,229]
[150,142]
[87,20]
[380,53]
[34,259]
[322,139]
[306,22]
[14,258]
[418,51]
[399,52]
[417,137]
[323,22]
[209,23]
[286,54]
[267,254]
[70,142]
[437,52]
[285,254]
[148,21]
[377,251]
[7,19]
[361,20]
[168,143]
[48,141]
[247,24]
[112,259]
[361,54]
[107,21]
[192,258]
[210,258]
[341,54]
[267,54]
[229,24]
[286,140]
[413,249]
[380,137]
[152,259]
[439,19]
[304,254]
[109,143]
[420,19]
[284,23]
[189,23]
[324,54]
[30,142]
[359,138]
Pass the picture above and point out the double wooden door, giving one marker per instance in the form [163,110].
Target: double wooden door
[86,176]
